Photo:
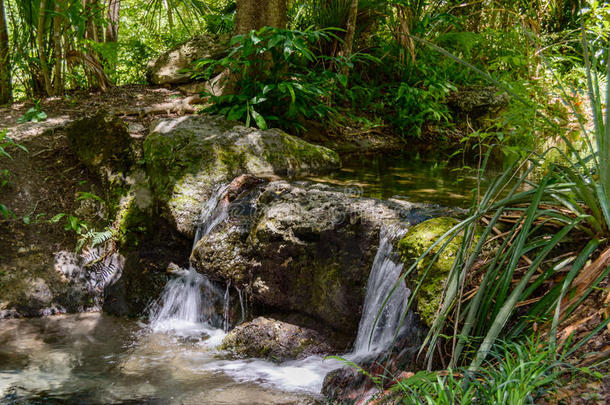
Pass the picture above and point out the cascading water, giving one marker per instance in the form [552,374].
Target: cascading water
[385,272]
[308,374]
[188,302]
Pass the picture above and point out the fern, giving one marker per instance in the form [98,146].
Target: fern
[94,238]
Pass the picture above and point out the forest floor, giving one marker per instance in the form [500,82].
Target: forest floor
[47,179]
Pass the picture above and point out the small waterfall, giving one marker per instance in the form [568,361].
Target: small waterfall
[226,307]
[386,270]
[188,303]
[308,374]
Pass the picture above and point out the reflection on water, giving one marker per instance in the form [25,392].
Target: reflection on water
[412,176]
[99,359]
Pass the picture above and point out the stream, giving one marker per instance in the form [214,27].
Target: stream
[172,358]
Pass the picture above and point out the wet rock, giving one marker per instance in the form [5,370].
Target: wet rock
[171,67]
[301,247]
[416,241]
[188,157]
[350,385]
[476,103]
[275,340]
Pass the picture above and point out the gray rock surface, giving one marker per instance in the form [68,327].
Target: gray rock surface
[187,158]
[301,247]
[275,340]
[168,68]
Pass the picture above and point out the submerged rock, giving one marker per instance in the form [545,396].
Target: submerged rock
[275,340]
[188,157]
[301,248]
[171,67]
[416,241]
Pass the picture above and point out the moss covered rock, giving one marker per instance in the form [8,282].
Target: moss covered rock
[188,157]
[101,140]
[299,247]
[171,66]
[275,340]
[416,241]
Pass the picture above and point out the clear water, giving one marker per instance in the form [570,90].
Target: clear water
[412,176]
[377,329]
[99,359]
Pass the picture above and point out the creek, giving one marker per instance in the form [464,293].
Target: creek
[172,357]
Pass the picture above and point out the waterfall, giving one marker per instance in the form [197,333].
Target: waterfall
[308,374]
[385,271]
[188,302]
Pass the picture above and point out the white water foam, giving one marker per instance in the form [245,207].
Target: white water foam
[189,302]
[308,374]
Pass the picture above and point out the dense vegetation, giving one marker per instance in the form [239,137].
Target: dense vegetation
[533,246]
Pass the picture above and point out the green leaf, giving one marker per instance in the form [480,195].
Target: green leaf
[260,121]
[57,218]
[236,112]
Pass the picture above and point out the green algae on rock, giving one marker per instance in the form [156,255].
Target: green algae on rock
[415,242]
[187,157]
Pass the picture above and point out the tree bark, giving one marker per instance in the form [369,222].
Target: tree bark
[6,88]
[112,31]
[350,32]
[40,33]
[256,14]
[58,84]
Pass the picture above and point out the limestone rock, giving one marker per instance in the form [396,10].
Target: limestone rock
[169,67]
[187,158]
[478,102]
[275,340]
[301,248]
[416,241]
[101,141]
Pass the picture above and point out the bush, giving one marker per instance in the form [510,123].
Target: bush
[274,82]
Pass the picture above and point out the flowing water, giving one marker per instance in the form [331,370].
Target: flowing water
[99,359]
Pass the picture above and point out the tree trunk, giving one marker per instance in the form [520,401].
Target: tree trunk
[256,14]
[58,85]
[350,32]
[112,31]
[6,89]
[40,34]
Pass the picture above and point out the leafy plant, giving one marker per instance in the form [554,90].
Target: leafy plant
[6,143]
[34,114]
[517,373]
[536,239]
[87,235]
[273,79]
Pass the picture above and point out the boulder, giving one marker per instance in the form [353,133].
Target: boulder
[415,242]
[101,141]
[187,158]
[301,247]
[275,340]
[477,103]
[170,66]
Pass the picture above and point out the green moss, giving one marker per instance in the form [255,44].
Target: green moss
[417,240]
[131,223]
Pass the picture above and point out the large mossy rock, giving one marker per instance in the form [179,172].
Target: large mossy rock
[301,248]
[275,340]
[189,157]
[416,241]
[171,66]
[477,104]
[101,141]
